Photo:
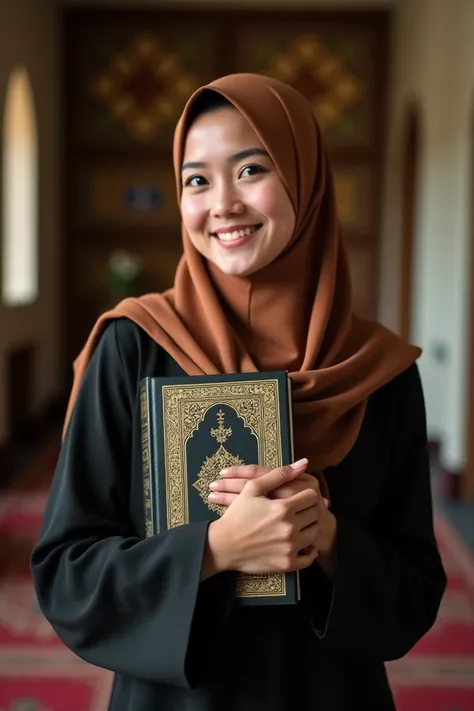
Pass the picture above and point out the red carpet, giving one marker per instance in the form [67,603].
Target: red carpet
[438,675]
[37,673]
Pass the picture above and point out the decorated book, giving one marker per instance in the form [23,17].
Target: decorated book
[193,427]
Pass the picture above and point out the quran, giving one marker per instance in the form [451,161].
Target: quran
[194,426]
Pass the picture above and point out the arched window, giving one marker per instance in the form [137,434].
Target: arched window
[20,200]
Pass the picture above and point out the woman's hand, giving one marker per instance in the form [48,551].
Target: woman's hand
[226,490]
[232,480]
[258,534]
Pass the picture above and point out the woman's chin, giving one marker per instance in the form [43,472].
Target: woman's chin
[234,269]
[233,265]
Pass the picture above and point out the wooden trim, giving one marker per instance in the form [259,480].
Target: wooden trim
[452,484]
[467,489]
[69,119]
[127,15]
[411,149]
[434,448]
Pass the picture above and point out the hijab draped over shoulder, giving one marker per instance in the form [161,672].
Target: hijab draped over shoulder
[296,313]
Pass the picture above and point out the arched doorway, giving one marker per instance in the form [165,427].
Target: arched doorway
[410,166]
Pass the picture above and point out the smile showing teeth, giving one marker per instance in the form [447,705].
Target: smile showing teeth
[237,234]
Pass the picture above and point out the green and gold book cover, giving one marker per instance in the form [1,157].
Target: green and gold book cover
[193,427]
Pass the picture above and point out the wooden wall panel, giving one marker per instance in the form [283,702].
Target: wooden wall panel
[127,75]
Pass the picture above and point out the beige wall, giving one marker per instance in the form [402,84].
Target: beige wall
[28,36]
[433,66]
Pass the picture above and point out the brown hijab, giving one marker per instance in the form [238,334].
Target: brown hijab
[296,313]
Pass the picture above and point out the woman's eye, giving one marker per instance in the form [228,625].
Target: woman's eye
[195,181]
[250,170]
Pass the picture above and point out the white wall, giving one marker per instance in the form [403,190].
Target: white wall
[28,36]
[433,65]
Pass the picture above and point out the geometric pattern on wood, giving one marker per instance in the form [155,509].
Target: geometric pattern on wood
[144,86]
[129,194]
[320,75]
[352,185]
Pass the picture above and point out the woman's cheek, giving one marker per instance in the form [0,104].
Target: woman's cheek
[193,213]
[265,199]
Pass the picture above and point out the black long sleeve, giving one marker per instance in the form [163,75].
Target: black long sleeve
[118,600]
[389,580]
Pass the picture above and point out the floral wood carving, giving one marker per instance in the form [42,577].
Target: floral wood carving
[145,86]
[319,75]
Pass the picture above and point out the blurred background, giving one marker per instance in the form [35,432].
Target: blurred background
[89,97]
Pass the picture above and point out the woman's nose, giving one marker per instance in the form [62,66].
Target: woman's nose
[226,201]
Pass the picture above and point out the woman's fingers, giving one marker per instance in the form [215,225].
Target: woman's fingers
[233,480]
[286,491]
[306,558]
[245,471]
[308,517]
[222,498]
[233,486]
[308,537]
[303,500]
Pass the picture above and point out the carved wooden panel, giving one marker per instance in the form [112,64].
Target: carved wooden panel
[127,77]
[129,193]
[132,78]
[354,195]
[329,65]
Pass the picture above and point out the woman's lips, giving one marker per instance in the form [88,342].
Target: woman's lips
[236,238]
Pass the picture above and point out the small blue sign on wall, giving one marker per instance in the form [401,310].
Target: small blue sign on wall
[143,198]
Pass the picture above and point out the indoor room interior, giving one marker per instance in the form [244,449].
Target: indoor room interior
[90,92]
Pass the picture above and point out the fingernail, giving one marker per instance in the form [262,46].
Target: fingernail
[223,472]
[212,497]
[213,485]
[299,464]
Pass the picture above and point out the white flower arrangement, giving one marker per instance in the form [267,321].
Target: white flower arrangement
[124,271]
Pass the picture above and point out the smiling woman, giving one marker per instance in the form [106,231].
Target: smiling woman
[263,285]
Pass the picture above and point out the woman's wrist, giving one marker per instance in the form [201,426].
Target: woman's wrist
[216,553]
[327,558]
[328,563]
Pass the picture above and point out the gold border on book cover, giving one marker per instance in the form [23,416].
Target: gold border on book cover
[257,403]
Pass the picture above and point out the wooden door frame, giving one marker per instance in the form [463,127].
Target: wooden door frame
[409,186]
[467,484]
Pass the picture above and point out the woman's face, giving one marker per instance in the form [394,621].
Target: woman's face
[234,205]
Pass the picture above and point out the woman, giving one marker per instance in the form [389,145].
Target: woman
[263,285]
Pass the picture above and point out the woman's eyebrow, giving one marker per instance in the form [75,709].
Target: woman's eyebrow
[241,155]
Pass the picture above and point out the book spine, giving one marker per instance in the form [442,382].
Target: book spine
[149,508]
[289,409]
